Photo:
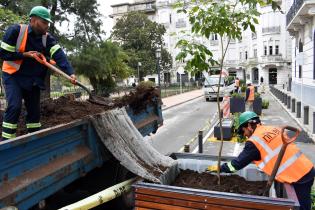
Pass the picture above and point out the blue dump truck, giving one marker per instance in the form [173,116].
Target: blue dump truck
[56,166]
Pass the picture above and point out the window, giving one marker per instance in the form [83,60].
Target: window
[214,36]
[265,50]
[240,55]
[255,53]
[270,50]
[246,55]
[277,50]
[170,18]
[300,71]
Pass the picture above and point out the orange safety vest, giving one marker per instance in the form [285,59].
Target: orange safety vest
[237,83]
[11,67]
[251,96]
[294,164]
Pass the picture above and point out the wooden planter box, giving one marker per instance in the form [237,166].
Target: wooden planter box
[257,105]
[237,105]
[157,196]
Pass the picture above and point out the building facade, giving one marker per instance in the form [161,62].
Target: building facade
[300,22]
[265,54]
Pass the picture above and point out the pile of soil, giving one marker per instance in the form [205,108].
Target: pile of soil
[229,183]
[66,109]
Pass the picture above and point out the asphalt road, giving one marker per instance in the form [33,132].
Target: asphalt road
[181,125]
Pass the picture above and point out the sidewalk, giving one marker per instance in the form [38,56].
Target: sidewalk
[175,100]
[274,115]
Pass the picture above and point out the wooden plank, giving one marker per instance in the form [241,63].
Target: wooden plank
[160,206]
[183,203]
[262,204]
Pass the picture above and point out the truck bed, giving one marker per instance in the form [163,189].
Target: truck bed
[35,166]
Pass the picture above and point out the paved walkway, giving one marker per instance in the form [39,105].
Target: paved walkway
[180,98]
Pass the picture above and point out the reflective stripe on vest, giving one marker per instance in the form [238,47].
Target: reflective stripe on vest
[11,67]
[294,164]
[251,96]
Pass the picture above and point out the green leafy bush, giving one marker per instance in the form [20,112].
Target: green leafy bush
[257,95]
[243,89]
[265,104]
[236,95]
[236,123]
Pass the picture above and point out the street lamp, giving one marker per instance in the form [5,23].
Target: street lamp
[139,65]
[158,56]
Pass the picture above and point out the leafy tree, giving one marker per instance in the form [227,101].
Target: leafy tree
[227,19]
[7,18]
[140,37]
[102,63]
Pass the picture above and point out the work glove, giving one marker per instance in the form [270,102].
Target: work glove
[212,168]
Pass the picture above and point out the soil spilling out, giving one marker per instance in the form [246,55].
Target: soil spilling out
[66,109]
[229,183]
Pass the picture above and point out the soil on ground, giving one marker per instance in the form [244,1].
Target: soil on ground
[229,183]
[66,108]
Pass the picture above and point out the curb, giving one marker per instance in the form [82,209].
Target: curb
[163,109]
[293,117]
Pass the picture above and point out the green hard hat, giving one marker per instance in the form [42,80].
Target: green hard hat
[245,117]
[41,12]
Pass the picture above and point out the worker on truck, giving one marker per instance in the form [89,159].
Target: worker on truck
[23,77]
[250,96]
[262,148]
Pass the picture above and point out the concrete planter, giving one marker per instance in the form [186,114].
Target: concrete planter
[257,105]
[237,105]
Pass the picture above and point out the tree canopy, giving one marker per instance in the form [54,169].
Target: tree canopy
[101,63]
[82,39]
[140,37]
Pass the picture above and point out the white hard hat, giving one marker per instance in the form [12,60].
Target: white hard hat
[248,82]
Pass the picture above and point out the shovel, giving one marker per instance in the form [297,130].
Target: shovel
[286,141]
[92,98]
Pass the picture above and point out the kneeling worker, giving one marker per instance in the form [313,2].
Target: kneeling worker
[262,148]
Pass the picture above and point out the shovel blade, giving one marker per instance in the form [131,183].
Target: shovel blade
[101,101]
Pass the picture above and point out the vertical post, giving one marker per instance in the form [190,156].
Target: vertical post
[293,105]
[289,102]
[306,111]
[313,122]
[186,148]
[200,137]
[298,109]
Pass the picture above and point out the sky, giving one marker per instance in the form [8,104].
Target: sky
[105,9]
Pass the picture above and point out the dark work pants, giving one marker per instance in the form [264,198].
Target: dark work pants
[14,96]
[303,192]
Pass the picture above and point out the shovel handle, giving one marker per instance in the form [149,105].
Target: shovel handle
[42,59]
[285,138]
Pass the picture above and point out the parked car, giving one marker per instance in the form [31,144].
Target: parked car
[211,83]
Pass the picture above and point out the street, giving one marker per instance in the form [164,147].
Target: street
[181,124]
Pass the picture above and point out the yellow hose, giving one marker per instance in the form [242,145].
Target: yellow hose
[101,197]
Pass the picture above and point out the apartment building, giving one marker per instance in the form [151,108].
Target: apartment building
[266,53]
[300,22]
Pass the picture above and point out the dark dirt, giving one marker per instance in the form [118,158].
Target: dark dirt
[207,181]
[66,109]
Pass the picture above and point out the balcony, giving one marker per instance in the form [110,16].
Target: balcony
[272,59]
[271,30]
[253,61]
[300,13]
